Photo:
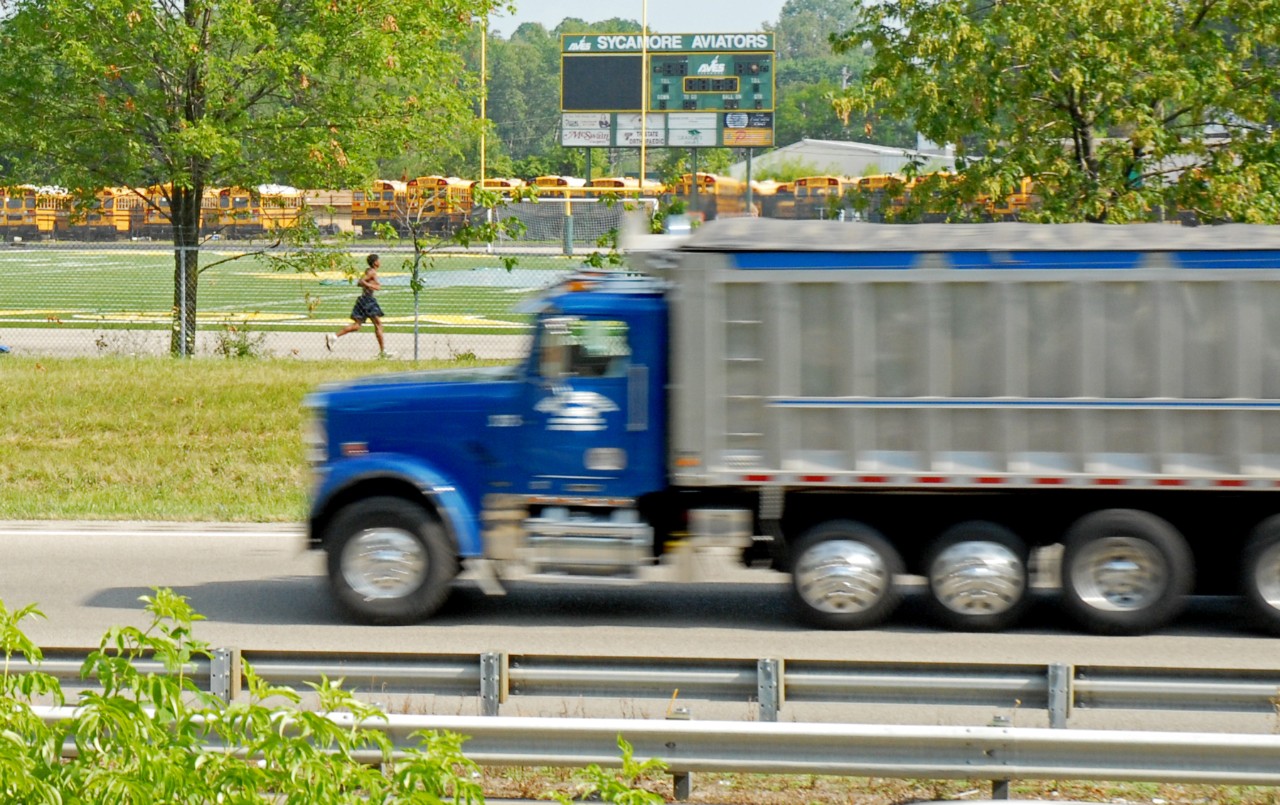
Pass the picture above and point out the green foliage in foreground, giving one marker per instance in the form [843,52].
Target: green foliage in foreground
[115,438]
[156,737]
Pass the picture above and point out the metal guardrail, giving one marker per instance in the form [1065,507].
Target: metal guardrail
[495,678]
[972,753]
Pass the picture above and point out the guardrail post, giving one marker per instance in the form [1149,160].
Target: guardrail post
[1060,675]
[1000,788]
[769,688]
[492,676]
[681,781]
[224,674]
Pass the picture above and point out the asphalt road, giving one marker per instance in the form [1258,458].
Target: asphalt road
[259,590]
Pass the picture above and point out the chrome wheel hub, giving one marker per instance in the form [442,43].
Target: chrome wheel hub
[1119,574]
[384,563]
[841,576]
[978,578]
[1266,576]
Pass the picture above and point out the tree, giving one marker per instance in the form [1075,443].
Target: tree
[804,27]
[191,94]
[809,75]
[1117,109]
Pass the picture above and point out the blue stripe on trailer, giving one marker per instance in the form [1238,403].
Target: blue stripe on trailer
[1035,404]
[825,260]
[1044,260]
[1006,260]
[1240,259]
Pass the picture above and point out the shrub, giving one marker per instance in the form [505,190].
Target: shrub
[156,737]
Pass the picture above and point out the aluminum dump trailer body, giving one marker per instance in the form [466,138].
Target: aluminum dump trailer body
[977,356]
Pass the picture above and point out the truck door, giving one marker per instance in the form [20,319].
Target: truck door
[592,428]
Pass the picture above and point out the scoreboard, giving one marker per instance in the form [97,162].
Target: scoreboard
[711,81]
[692,89]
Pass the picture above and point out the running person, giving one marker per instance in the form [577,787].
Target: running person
[366,307]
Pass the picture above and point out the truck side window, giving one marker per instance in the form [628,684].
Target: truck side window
[580,347]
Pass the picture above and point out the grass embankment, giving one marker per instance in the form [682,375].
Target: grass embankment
[158,439]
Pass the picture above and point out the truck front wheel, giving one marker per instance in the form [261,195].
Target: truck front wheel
[1261,574]
[1124,572]
[843,576]
[390,561]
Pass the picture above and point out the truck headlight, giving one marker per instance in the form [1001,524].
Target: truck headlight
[315,438]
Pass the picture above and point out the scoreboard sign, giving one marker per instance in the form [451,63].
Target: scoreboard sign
[699,90]
[702,81]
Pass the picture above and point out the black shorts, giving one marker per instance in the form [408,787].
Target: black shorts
[366,308]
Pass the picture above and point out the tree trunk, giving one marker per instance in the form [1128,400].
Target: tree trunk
[184,207]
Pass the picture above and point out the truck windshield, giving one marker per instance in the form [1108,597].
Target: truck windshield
[572,346]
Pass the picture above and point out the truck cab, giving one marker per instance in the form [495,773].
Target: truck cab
[527,470]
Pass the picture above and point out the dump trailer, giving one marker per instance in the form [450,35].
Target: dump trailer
[854,405]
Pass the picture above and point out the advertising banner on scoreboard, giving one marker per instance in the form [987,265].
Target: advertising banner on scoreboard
[676,130]
[586,138]
[748,129]
[692,131]
[586,130]
[629,130]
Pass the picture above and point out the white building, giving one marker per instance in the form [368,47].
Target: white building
[839,158]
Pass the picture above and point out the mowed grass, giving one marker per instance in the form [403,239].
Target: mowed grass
[157,438]
[115,286]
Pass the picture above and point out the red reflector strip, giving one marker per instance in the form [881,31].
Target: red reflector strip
[873,479]
[757,479]
[990,479]
[1229,482]
[815,479]
[1049,481]
[1109,481]
[931,479]
[1170,482]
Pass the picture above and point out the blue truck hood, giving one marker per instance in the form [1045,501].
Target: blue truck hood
[443,418]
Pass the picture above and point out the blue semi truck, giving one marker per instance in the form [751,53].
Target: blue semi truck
[860,406]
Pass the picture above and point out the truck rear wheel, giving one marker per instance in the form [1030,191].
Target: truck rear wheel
[1124,572]
[389,561]
[843,576]
[977,575]
[1260,574]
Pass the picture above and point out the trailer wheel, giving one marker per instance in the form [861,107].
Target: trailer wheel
[977,575]
[843,576]
[1124,572]
[1260,574]
[389,561]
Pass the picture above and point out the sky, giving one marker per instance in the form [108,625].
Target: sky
[664,16]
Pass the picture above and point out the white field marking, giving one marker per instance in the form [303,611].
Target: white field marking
[255,531]
[8,313]
[147,316]
[442,320]
[318,276]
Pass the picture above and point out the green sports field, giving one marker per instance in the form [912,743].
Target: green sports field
[132,287]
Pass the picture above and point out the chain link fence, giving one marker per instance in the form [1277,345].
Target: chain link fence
[69,298]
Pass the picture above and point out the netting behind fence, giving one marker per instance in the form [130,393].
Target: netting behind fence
[118,299]
[586,222]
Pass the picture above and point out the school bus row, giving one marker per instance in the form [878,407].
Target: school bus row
[438,205]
